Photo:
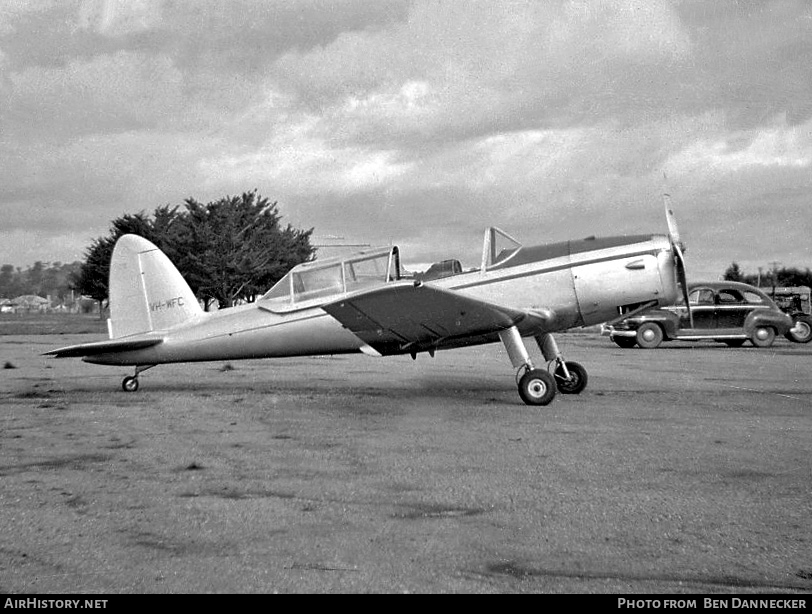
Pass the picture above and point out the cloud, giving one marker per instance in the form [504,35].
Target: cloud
[435,119]
[107,93]
[120,17]
[778,145]
[483,66]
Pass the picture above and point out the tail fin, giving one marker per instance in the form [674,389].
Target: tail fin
[146,290]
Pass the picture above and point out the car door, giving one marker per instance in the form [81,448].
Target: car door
[702,305]
[731,310]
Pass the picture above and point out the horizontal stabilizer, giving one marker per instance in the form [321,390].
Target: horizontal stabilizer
[104,347]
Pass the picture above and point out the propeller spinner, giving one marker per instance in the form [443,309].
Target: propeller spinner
[679,257]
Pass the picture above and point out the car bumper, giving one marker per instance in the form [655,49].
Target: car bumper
[607,330]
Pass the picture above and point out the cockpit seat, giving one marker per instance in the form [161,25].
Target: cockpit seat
[438,270]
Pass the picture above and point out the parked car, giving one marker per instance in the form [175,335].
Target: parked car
[725,311]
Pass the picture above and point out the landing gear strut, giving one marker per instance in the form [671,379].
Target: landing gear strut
[537,386]
[570,377]
[130,383]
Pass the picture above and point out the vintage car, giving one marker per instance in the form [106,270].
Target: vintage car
[724,311]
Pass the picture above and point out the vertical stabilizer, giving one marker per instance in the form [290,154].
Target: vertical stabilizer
[146,290]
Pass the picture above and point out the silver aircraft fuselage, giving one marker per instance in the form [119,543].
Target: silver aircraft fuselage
[570,284]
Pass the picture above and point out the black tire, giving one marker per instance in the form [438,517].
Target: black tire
[624,342]
[649,336]
[734,343]
[129,384]
[801,332]
[537,387]
[577,381]
[763,336]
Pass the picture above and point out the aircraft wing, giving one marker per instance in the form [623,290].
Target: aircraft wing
[406,316]
[104,347]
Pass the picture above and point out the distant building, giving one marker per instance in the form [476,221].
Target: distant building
[30,303]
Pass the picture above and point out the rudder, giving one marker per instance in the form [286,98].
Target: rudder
[147,292]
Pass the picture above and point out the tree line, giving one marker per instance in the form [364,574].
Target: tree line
[785,276]
[43,279]
[227,250]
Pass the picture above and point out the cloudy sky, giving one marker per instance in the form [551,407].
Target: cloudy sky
[418,122]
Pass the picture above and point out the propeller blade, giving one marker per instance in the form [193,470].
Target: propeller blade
[679,256]
[673,229]
[683,280]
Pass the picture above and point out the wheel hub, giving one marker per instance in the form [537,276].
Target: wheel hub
[537,388]
[801,328]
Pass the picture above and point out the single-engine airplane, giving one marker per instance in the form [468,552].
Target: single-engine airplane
[367,303]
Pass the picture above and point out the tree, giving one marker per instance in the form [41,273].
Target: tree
[234,248]
[787,276]
[93,276]
[733,273]
[35,276]
[42,279]
[229,249]
[91,279]
[9,282]
[793,277]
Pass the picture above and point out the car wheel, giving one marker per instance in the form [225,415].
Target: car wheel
[763,336]
[649,336]
[624,342]
[801,332]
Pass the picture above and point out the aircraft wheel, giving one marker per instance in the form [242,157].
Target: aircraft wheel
[801,332]
[537,387]
[624,342]
[649,336]
[763,336]
[577,381]
[129,384]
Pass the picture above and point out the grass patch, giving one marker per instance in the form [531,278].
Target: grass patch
[51,324]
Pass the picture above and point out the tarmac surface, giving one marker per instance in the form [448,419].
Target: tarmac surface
[684,469]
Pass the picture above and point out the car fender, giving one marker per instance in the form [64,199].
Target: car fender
[667,320]
[781,322]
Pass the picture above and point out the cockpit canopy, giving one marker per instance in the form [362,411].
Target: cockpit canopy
[310,282]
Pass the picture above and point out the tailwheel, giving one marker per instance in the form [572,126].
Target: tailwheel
[537,387]
[577,380]
[129,383]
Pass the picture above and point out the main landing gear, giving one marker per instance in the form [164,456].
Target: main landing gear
[130,383]
[539,386]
